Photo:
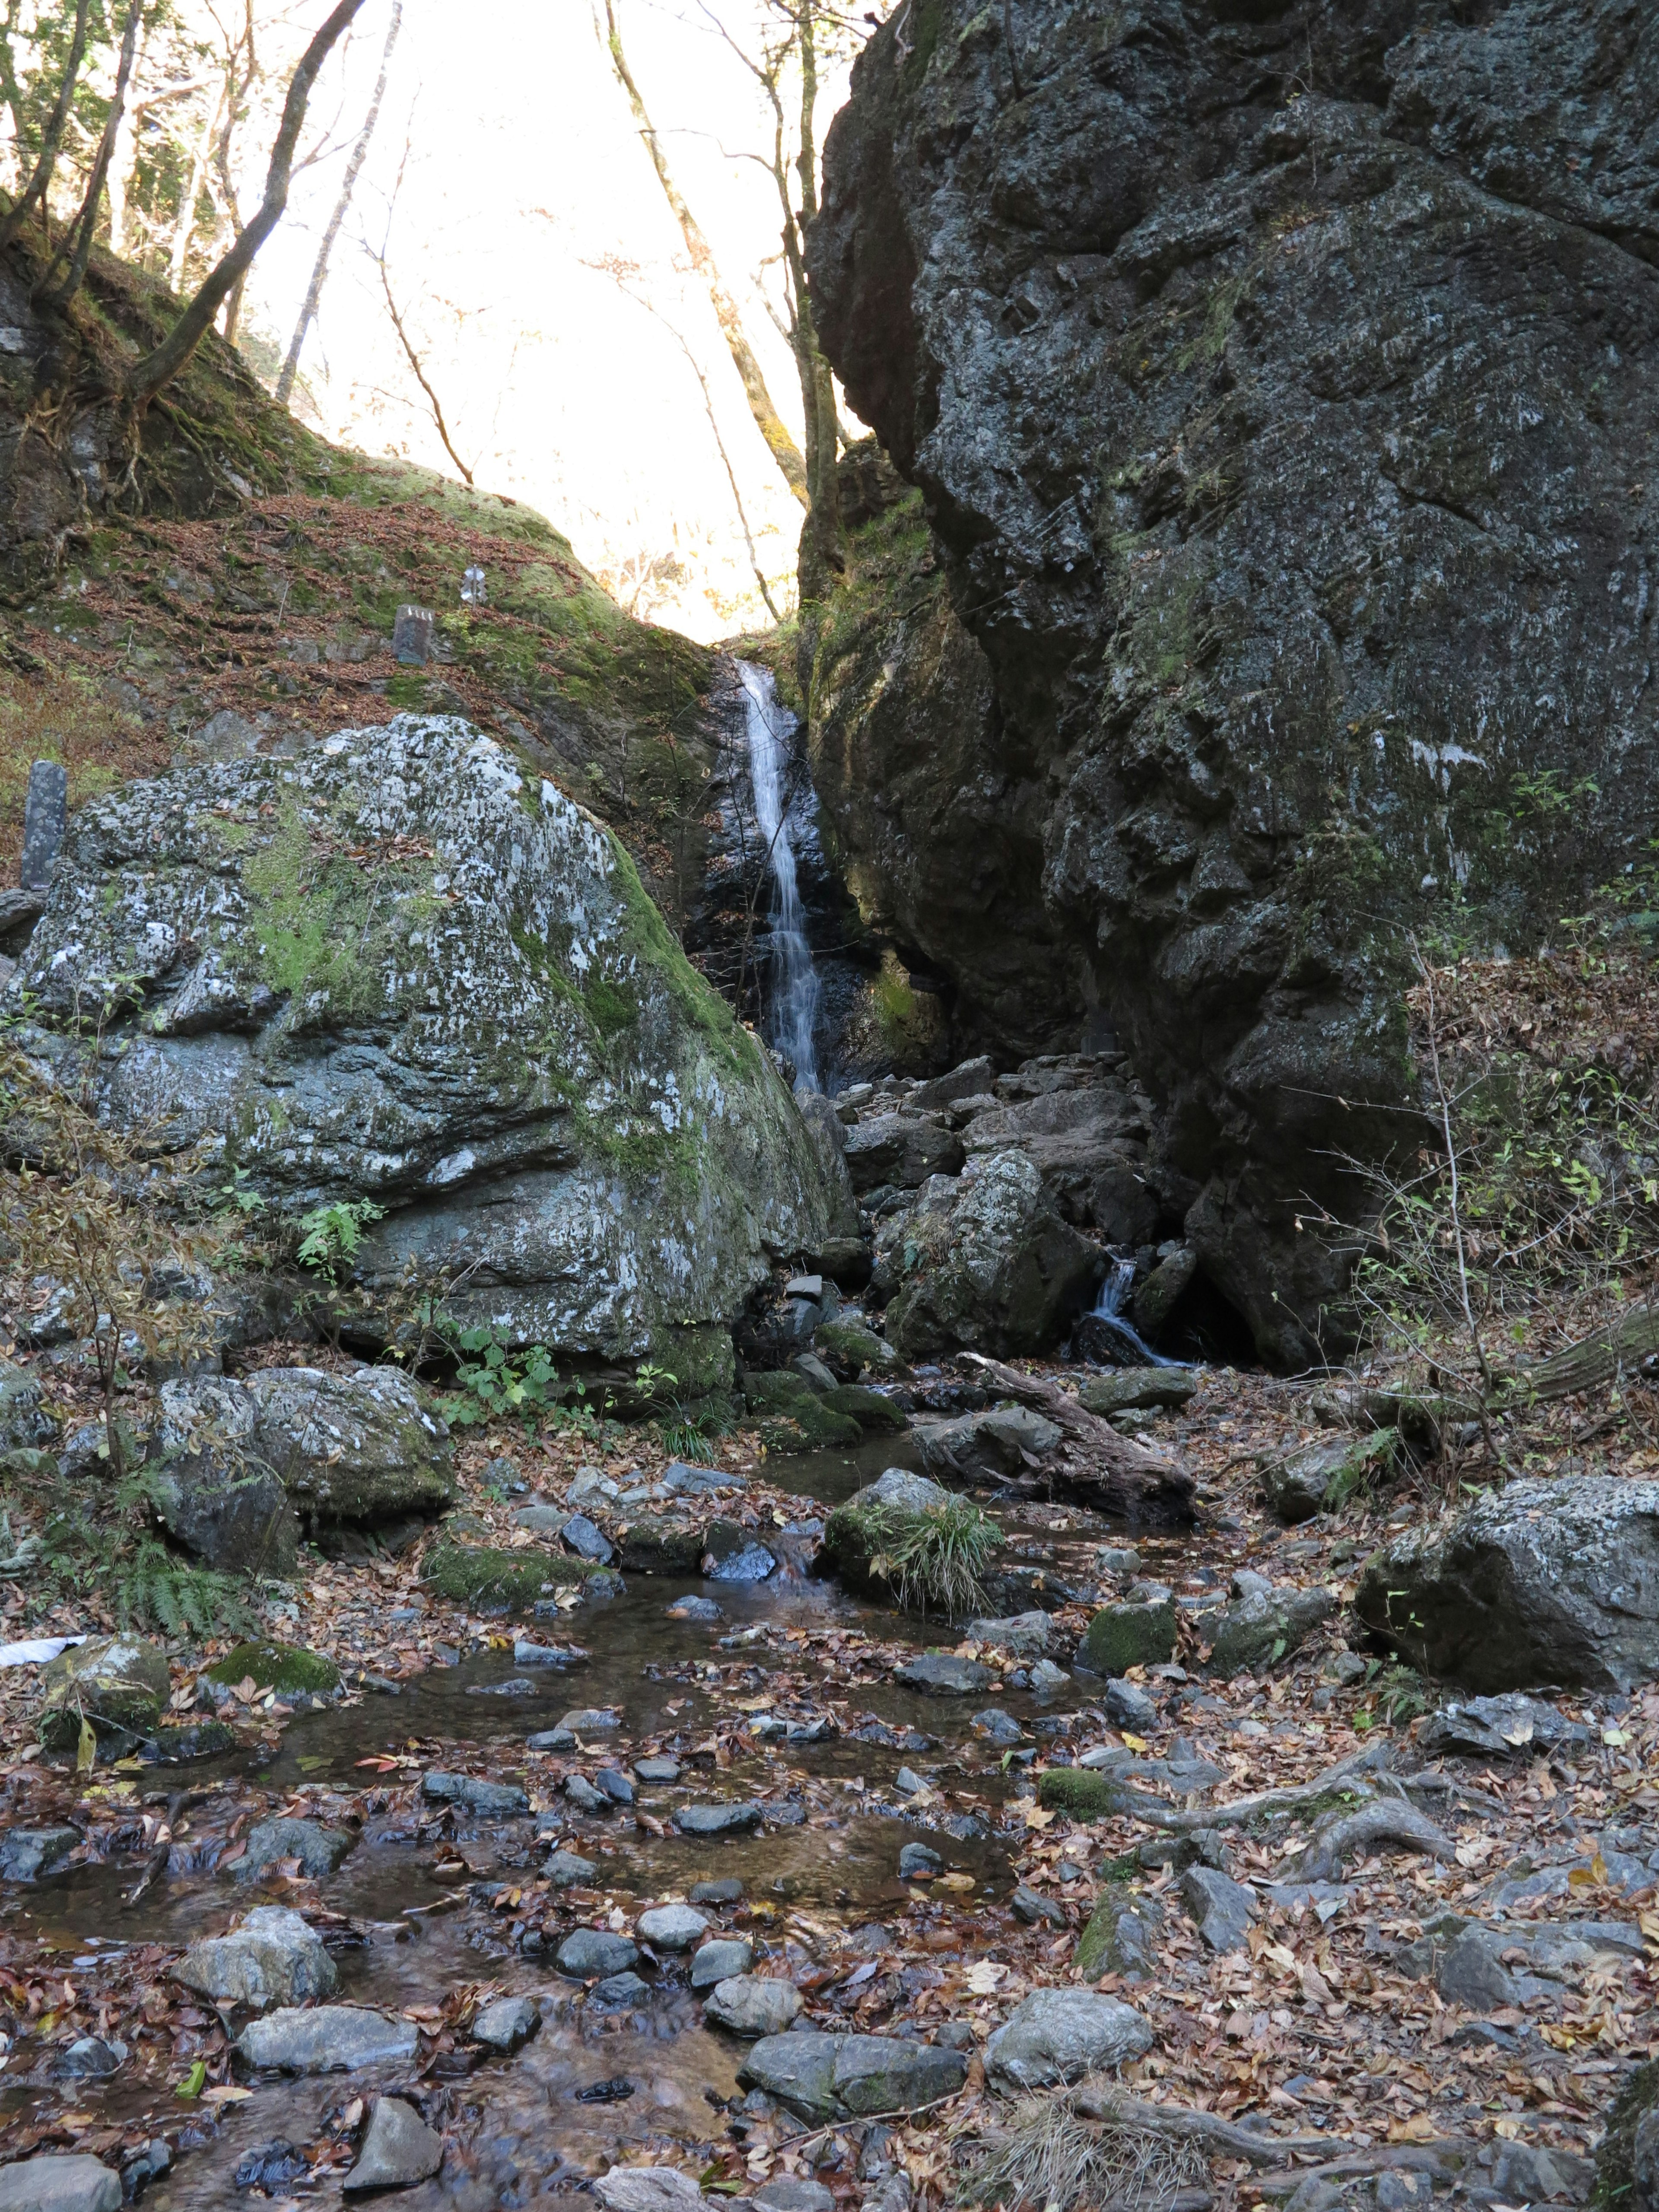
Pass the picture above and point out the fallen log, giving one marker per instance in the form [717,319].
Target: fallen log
[1100,1468]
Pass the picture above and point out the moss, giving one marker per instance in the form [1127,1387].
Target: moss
[610,1009]
[1076,1791]
[778,1393]
[1124,1636]
[323,925]
[473,1574]
[805,1425]
[283,1667]
[876,1416]
[853,1345]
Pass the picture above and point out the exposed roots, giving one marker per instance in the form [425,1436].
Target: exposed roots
[1049,2158]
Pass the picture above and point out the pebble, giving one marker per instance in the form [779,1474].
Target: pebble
[478,1797]
[672,1927]
[590,1951]
[752,2005]
[918,1862]
[658,1769]
[326,2038]
[617,1991]
[726,1889]
[504,2025]
[592,1720]
[616,1785]
[721,1960]
[696,1608]
[710,1817]
[568,1870]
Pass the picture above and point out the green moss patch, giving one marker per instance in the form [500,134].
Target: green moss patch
[876,1416]
[1076,1790]
[473,1574]
[280,1667]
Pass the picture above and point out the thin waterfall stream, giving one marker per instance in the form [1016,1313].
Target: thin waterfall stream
[795,993]
[1109,1308]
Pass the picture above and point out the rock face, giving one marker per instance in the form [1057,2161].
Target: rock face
[1551,1582]
[1271,627]
[989,1265]
[396,968]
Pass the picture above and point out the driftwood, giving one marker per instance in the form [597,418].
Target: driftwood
[1182,2125]
[1100,1468]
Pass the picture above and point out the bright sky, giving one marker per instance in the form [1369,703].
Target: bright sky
[525,169]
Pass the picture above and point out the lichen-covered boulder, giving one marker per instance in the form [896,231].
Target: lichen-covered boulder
[352,1447]
[988,1263]
[400,966]
[25,1425]
[117,1683]
[215,1494]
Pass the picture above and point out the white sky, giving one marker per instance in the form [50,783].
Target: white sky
[524,167]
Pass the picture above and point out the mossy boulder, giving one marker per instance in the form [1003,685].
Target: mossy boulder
[655,1546]
[352,1447]
[1326,1473]
[25,1425]
[402,966]
[476,1574]
[1081,1792]
[877,1416]
[1134,1390]
[119,1683]
[811,1426]
[851,1349]
[288,1668]
[1140,1633]
[1120,1935]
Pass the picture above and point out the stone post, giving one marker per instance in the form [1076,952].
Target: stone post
[45,817]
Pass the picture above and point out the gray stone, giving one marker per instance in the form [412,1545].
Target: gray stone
[587,1952]
[1024,1633]
[592,1720]
[1324,1474]
[45,817]
[1126,1705]
[672,1927]
[496,1800]
[318,1849]
[811,1369]
[724,1889]
[120,1683]
[980,1447]
[1121,1935]
[398,2150]
[900,1149]
[1472,1973]
[89,2058]
[1060,2035]
[59,2181]
[1037,1910]
[1540,1582]
[789,2193]
[1265,1626]
[1046,1678]
[732,1554]
[618,1992]
[995,1269]
[1525,2173]
[1131,1389]
[569,1870]
[997,1726]
[526,1653]
[1512,1726]
[696,1608]
[27,1854]
[712,1817]
[542,1519]
[25,1425]
[326,2039]
[274,1958]
[919,1862]
[723,1960]
[752,2005]
[942,1674]
[504,2025]
[215,1492]
[587,1540]
[1222,1908]
[1140,1632]
[1644,2162]
[411,635]
[680,1481]
[828,2077]
[357,1447]
[20,910]
[659,1768]
[583,1795]
[648,2189]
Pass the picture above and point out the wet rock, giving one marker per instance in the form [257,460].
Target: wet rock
[1128,1705]
[1140,1632]
[172,1746]
[877,1414]
[732,1554]
[25,1426]
[525,1653]
[811,1369]
[712,1817]
[918,1862]
[1324,1474]
[583,1795]
[119,1683]
[994,1267]
[59,2181]
[592,1720]
[681,1481]
[274,1957]
[504,2025]
[553,1739]
[619,1992]
[543,1519]
[1223,1909]
[587,1540]
[900,1149]
[661,1547]
[569,1870]
[318,1849]
[28,1854]
[326,2039]
[1122,1936]
[587,1952]
[1060,2035]
[398,2150]
[829,2077]
[1511,1726]
[723,1960]
[496,1800]
[1264,1625]
[1542,1583]
[298,1677]
[852,1348]
[751,2005]
[648,2189]
[658,1769]
[89,2058]
[1026,1633]
[942,1674]
[1048,1680]
[352,1447]
[1037,1910]
[696,1608]
[725,1890]
[672,1927]
[997,1726]
[1132,1389]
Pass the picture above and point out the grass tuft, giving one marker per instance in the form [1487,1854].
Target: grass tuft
[1048,2158]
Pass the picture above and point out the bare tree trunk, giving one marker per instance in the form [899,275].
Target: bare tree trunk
[767,420]
[147,377]
[75,246]
[124,157]
[185,225]
[414,362]
[52,137]
[319,268]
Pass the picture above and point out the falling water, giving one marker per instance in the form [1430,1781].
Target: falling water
[1109,1308]
[795,992]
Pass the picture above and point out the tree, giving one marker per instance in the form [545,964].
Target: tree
[75,249]
[348,185]
[163,363]
[770,424]
[53,136]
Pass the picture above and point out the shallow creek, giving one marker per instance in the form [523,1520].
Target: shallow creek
[420,1927]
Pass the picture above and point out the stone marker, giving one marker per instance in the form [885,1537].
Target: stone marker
[411,636]
[45,817]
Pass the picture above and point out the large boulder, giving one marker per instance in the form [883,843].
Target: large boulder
[400,966]
[902,1149]
[1267,637]
[1059,2035]
[119,1684]
[988,1264]
[352,1447]
[274,1957]
[1089,1144]
[1542,1583]
[215,1494]
[837,2077]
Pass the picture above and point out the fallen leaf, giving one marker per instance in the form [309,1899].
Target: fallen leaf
[986,1978]
[225,2093]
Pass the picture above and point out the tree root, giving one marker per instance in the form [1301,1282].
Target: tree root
[1347,1835]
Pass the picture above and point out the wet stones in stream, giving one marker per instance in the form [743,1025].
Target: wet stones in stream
[722,1960]
[821,2078]
[1141,1632]
[709,1817]
[587,1953]
[918,1862]
[119,1684]
[672,1927]
[274,1957]
[27,1854]
[326,2039]
[943,1674]
[659,1768]
[496,1800]
[753,2005]
[1025,1634]
[319,1850]
[648,2189]
[569,1870]
[696,1608]
[504,2025]
[398,2150]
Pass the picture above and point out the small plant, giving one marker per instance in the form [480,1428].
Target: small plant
[933,1558]
[1401,1695]
[331,1236]
[494,1381]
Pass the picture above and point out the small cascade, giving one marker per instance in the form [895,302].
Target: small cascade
[794,992]
[1109,1311]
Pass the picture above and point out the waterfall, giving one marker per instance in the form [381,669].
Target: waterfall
[1109,1308]
[794,990]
